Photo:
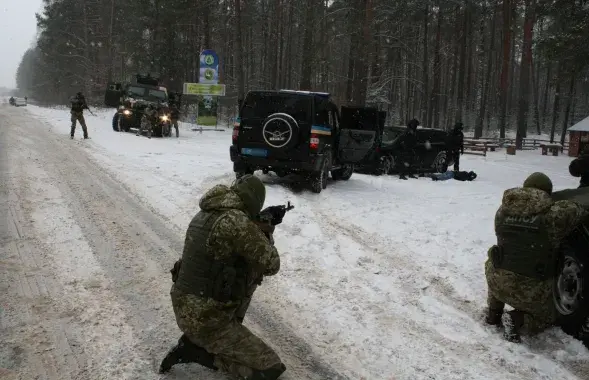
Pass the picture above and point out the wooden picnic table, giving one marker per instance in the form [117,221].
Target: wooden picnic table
[552,148]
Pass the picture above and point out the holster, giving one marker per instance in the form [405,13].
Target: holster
[496,255]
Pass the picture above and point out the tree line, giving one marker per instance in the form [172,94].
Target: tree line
[495,65]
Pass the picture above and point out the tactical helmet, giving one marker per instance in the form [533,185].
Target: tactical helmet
[539,181]
[252,192]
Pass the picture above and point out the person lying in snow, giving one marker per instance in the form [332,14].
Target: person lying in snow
[457,175]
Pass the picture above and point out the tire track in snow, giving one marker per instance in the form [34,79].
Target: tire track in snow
[136,249]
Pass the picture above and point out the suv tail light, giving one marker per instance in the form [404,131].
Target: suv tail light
[235,134]
[314,141]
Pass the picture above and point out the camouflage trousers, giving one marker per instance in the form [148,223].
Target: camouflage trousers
[78,116]
[217,328]
[530,297]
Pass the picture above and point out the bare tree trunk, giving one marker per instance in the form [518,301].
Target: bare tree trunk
[524,81]
[425,73]
[308,47]
[556,108]
[239,46]
[505,66]
[546,90]
[461,77]
[433,114]
[567,111]
[478,132]
[536,95]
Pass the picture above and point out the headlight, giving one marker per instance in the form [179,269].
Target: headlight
[126,112]
[164,118]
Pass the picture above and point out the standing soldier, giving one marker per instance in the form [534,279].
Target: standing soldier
[409,141]
[579,167]
[455,145]
[78,106]
[227,252]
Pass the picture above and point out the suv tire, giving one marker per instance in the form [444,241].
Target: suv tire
[440,164]
[319,179]
[571,293]
[115,122]
[344,173]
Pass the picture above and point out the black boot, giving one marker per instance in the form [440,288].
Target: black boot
[187,352]
[402,176]
[513,321]
[412,176]
[271,373]
[493,317]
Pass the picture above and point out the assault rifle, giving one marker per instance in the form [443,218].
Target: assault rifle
[274,214]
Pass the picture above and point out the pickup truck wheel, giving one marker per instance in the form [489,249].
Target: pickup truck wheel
[319,180]
[571,294]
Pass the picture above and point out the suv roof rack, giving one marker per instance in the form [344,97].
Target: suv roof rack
[321,94]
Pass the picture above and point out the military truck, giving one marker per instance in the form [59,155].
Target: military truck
[131,99]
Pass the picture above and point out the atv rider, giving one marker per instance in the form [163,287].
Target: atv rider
[226,255]
[520,269]
[77,110]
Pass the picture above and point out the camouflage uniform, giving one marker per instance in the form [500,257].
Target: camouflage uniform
[78,106]
[225,257]
[529,295]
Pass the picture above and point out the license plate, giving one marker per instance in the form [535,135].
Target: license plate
[254,152]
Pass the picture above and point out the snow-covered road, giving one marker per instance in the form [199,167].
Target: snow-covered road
[381,279]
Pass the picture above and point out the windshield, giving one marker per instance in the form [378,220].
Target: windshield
[146,93]
[261,105]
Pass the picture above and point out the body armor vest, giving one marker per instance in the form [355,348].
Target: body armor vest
[524,247]
[201,273]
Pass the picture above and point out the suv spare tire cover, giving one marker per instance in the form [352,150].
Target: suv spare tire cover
[280,131]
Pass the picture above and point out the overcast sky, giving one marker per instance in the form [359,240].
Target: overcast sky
[18,28]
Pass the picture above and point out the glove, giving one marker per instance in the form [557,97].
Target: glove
[266,227]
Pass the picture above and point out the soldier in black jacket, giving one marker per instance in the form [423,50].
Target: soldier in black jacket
[579,167]
[408,143]
[455,145]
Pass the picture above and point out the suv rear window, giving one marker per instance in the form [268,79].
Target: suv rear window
[261,105]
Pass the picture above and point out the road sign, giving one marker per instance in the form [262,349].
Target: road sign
[209,67]
[204,89]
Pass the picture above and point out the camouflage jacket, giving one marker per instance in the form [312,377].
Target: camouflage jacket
[235,233]
[561,217]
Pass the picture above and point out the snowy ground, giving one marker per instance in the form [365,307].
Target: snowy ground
[381,278]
